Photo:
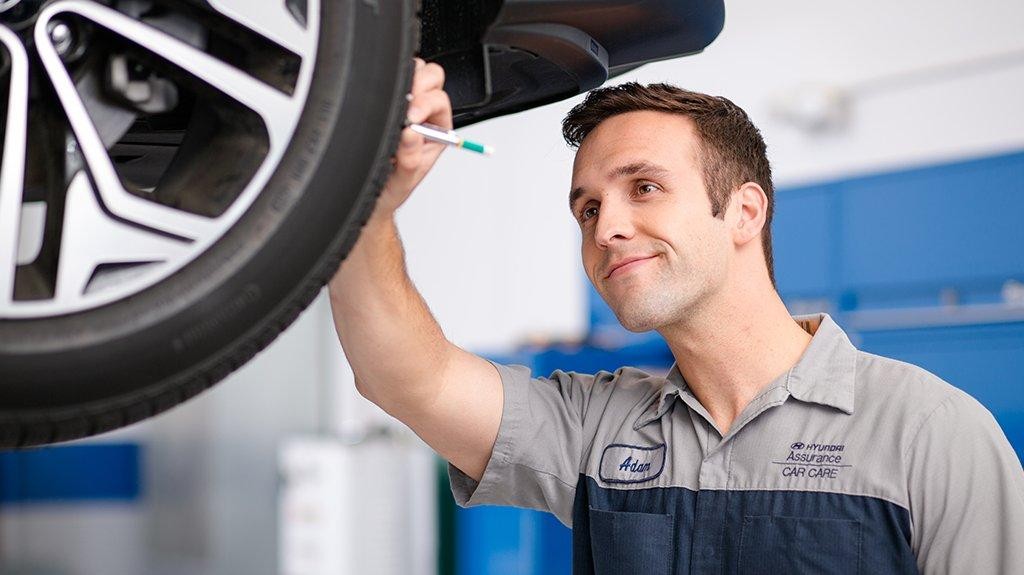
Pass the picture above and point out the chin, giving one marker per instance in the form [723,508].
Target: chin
[647,314]
[639,328]
[639,320]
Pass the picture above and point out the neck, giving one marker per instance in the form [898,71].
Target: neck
[732,348]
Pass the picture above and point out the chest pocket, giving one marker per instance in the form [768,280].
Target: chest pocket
[625,542]
[772,545]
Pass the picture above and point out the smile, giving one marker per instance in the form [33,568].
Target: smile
[623,268]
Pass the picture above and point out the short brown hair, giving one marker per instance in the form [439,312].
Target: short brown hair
[731,150]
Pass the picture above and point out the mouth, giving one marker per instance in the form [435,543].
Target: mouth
[627,264]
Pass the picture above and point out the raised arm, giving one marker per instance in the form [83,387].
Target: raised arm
[402,362]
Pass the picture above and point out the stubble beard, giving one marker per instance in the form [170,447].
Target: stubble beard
[659,301]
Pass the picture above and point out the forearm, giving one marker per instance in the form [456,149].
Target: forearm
[401,359]
[395,347]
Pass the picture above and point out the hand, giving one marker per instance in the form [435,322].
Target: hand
[415,156]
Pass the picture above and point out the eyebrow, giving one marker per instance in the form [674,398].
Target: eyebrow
[631,169]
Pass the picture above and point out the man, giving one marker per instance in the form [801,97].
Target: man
[772,446]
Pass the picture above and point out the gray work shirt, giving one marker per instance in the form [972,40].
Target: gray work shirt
[847,463]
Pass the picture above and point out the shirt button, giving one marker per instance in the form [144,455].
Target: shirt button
[709,551]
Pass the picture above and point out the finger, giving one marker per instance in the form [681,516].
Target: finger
[429,77]
[434,107]
[408,162]
[409,139]
[407,156]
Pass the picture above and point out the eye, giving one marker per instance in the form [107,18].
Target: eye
[645,188]
[588,212]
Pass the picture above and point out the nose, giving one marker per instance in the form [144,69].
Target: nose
[614,223]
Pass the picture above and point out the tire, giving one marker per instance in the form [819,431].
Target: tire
[80,374]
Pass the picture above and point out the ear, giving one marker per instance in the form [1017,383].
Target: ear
[749,205]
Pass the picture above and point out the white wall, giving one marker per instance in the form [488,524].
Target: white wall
[493,249]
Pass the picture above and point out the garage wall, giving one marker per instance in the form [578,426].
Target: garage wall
[838,89]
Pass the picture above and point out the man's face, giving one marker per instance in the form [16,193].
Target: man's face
[650,244]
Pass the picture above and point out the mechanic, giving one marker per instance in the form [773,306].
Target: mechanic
[773,445]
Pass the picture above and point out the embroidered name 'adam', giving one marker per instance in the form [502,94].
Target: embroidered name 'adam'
[633,466]
[622,463]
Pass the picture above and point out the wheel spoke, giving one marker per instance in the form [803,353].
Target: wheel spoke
[270,19]
[261,98]
[115,197]
[12,170]
[91,238]
[100,239]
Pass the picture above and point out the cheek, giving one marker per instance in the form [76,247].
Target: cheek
[684,234]
[715,246]
[588,258]
[696,240]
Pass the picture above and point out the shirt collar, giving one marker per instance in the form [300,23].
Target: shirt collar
[824,374]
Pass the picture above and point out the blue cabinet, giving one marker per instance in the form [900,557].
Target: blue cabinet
[907,238]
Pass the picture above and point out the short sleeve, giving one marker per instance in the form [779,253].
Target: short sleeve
[966,490]
[535,460]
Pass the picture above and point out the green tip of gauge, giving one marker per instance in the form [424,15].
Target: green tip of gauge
[478,148]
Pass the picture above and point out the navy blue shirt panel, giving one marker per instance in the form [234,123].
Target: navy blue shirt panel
[677,531]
